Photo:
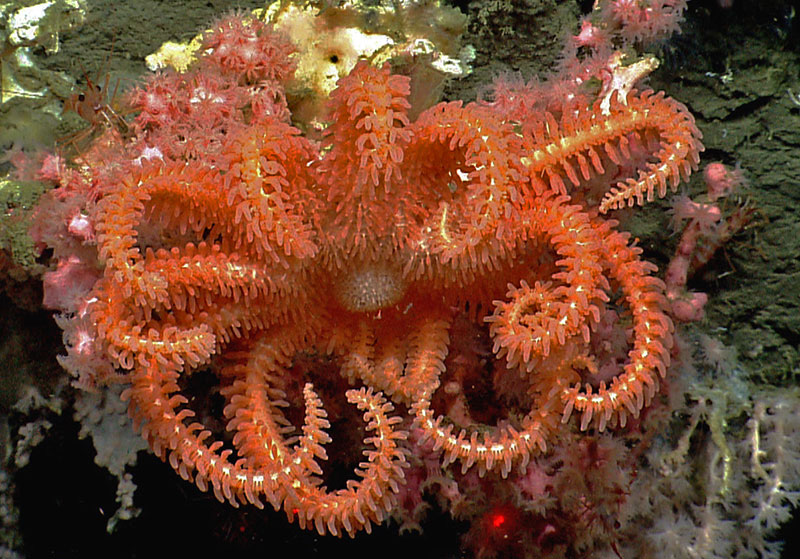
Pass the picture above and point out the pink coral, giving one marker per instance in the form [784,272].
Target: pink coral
[722,181]
[248,47]
[645,21]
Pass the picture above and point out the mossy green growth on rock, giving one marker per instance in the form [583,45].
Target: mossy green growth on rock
[16,202]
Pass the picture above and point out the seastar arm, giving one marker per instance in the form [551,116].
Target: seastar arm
[572,149]
[678,154]
[372,498]
[261,441]
[405,365]
[532,319]
[188,280]
[362,167]
[266,180]
[267,467]
[165,189]
[129,340]
[227,291]
[538,328]
[463,163]
[409,372]
[628,392]
[494,448]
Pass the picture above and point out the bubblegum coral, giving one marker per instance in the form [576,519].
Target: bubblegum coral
[375,258]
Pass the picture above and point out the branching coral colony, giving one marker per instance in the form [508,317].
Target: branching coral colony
[454,279]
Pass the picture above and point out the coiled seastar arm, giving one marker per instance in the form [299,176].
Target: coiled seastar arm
[537,321]
[628,392]
[533,318]
[266,466]
[156,203]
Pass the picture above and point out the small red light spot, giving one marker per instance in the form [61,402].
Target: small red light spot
[498,520]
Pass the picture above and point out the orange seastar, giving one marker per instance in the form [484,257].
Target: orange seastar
[363,252]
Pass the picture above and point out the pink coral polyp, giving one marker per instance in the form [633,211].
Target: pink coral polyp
[248,47]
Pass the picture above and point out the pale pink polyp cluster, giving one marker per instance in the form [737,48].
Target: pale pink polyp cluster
[722,181]
[706,230]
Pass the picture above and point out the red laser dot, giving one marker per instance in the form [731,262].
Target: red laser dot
[498,520]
